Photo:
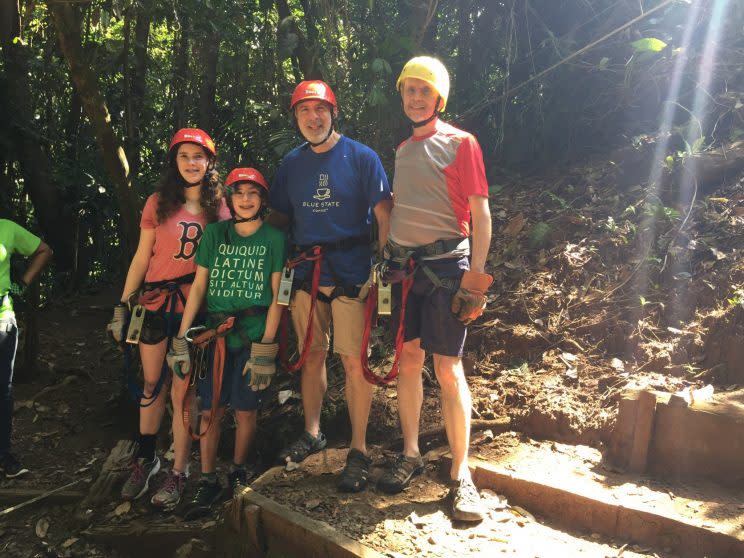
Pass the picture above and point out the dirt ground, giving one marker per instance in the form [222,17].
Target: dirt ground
[591,297]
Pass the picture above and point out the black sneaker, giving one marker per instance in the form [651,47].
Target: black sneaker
[300,449]
[238,480]
[206,495]
[397,477]
[10,466]
[355,475]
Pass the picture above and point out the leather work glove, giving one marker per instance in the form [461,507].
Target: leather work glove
[178,357]
[261,366]
[470,299]
[18,288]
[115,328]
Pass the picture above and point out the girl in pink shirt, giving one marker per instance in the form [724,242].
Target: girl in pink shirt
[173,221]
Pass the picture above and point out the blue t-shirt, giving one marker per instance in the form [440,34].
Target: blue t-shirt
[329,197]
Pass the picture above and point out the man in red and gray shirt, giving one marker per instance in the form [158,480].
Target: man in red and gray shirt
[439,187]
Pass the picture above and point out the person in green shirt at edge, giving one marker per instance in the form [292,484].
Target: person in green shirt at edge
[239,263]
[14,239]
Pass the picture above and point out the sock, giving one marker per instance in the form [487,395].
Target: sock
[146,446]
[237,467]
[211,478]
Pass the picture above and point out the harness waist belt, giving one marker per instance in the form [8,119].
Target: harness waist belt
[182,280]
[436,248]
[244,313]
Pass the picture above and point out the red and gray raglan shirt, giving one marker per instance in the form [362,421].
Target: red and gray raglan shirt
[434,175]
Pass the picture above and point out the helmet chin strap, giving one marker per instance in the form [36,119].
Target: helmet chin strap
[257,216]
[325,139]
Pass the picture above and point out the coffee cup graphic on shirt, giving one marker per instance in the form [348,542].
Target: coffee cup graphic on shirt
[322,194]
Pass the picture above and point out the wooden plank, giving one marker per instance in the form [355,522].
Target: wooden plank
[644,428]
[293,534]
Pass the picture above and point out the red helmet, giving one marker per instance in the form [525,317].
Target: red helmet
[313,89]
[193,135]
[246,175]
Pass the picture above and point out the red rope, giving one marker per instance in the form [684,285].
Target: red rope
[316,256]
[216,335]
[369,316]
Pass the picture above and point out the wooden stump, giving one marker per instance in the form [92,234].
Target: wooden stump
[113,469]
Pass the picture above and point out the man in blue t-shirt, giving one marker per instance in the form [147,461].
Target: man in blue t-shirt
[324,193]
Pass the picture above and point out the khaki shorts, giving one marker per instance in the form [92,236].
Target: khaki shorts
[347,315]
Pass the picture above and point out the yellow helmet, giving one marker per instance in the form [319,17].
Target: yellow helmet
[429,70]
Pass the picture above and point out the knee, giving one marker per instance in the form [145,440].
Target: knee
[352,365]
[411,359]
[451,378]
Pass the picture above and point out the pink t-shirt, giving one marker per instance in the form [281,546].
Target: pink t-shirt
[176,241]
[434,175]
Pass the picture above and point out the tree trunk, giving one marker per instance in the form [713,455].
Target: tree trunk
[53,219]
[210,57]
[180,73]
[136,98]
[68,31]
[464,35]
[307,62]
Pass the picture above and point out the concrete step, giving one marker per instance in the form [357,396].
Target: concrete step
[571,486]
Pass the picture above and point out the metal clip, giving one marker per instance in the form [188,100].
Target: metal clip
[285,287]
[384,297]
[192,332]
[135,324]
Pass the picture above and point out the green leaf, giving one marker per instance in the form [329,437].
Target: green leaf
[649,44]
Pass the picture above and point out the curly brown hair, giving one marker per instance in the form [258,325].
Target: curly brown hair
[170,189]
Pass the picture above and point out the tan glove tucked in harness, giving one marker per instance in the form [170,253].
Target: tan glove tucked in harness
[470,299]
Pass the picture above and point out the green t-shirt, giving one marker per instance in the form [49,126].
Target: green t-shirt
[14,239]
[240,269]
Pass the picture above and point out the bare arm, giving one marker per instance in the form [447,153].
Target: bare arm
[37,261]
[196,296]
[481,215]
[275,311]
[140,263]
[382,214]
[279,220]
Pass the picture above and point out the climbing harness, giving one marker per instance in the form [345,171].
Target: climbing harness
[400,266]
[165,317]
[311,253]
[206,341]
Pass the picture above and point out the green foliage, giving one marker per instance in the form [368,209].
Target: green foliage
[650,44]
[539,235]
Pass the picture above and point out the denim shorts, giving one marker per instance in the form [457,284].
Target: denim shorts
[235,390]
[428,310]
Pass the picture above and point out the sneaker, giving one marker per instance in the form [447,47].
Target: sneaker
[238,481]
[304,446]
[397,477]
[466,502]
[169,495]
[207,493]
[355,475]
[139,479]
[10,466]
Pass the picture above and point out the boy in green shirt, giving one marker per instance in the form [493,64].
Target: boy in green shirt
[239,265]
[14,239]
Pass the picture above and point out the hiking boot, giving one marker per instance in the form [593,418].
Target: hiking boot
[356,473]
[10,466]
[301,448]
[139,479]
[169,495]
[397,477]
[238,481]
[466,502]
[207,493]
